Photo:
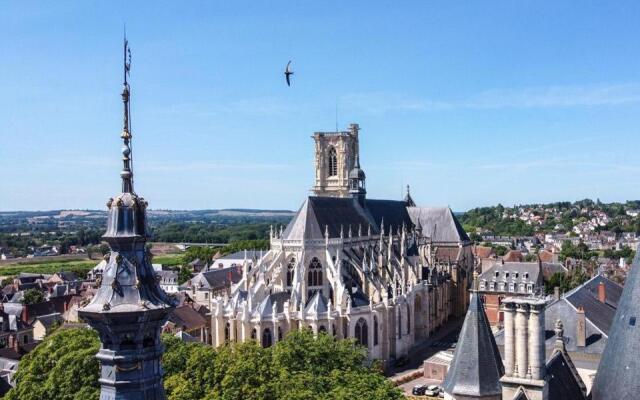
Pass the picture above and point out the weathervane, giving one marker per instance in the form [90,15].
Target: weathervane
[127,173]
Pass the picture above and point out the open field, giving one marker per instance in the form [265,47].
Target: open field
[168,260]
[46,265]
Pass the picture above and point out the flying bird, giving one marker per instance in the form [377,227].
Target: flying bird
[287,73]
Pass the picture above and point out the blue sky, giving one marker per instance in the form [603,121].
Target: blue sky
[471,103]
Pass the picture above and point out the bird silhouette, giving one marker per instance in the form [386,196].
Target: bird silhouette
[287,73]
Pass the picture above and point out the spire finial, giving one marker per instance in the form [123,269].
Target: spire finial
[127,172]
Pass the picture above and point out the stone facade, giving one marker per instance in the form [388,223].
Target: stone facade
[348,266]
[335,157]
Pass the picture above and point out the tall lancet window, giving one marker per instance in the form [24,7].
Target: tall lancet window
[333,162]
[362,333]
[315,273]
[291,271]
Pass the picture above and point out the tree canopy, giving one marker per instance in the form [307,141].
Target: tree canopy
[32,296]
[299,367]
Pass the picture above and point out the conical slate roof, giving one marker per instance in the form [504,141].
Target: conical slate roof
[618,374]
[476,368]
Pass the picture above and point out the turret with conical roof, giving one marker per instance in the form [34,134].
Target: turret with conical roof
[357,179]
[477,366]
[618,375]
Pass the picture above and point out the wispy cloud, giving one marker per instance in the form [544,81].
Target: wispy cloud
[557,96]
[533,97]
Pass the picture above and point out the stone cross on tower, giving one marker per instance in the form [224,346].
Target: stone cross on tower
[129,309]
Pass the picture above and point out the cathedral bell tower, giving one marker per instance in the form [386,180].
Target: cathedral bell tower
[129,308]
[335,158]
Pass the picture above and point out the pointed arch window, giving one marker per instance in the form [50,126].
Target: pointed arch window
[408,320]
[266,338]
[227,332]
[362,332]
[314,276]
[333,162]
[291,271]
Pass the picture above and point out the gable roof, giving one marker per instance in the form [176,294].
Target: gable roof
[564,381]
[617,376]
[586,296]
[477,367]
[187,318]
[439,224]
[337,214]
[217,278]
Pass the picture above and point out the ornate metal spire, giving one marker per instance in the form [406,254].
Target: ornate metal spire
[129,307]
[127,168]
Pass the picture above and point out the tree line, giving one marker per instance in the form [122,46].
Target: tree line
[299,367]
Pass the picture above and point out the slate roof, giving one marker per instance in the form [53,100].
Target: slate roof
[217,278]
[336,213]
[317,305]
[617,376]
[439,224]
[512,272]
[586,296]
[50,319]
[187,318]
[565,310]
[563,383]
[265,309]
[240,255]
[67,276]
[394,213]
[477,367]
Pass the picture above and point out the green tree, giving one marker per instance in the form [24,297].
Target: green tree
[32,296]
[184,274]
[299,367]
[63,366]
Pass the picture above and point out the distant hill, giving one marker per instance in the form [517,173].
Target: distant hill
[56,220]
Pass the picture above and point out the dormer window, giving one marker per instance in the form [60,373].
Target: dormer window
[526,275]
[517,274]
[497,274]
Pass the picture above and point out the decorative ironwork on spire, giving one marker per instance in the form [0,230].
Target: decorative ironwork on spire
[129,307]
[127,168]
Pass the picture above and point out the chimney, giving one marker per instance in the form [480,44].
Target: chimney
[581,328]
[556,292]
[602,293]
[14,342]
